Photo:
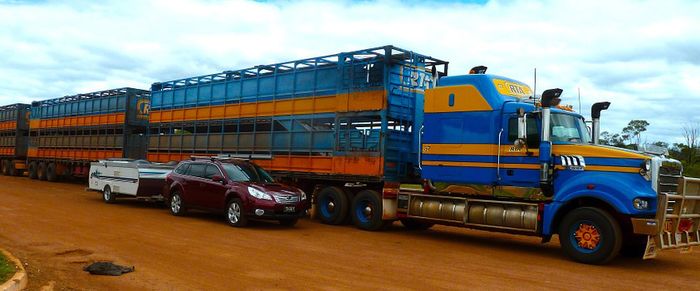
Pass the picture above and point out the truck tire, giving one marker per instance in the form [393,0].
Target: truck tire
[590,235]
[41,171]
[51,175]
[3,168]
[367,210]
[10,168]
[33,171]
[176,204]
[235,215]
[108,196]
[332,205]
[415,224]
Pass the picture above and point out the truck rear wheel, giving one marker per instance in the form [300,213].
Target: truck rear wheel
[367,210]
[41,171]
[333,205]
[590,235]
[51,175]
[33,170]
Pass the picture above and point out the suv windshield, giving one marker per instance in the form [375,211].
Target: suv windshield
[246,172]
[568,128]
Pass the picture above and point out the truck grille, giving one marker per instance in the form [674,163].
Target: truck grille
[669,175]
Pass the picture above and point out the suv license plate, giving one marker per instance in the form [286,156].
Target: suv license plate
[289,209]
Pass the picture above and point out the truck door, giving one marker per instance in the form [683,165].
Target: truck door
[519,168]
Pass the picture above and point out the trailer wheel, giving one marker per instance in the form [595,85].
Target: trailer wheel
[33,170]
[177,206]
[414,224]
[108,196]
[590,235]
[333,205]
[41,171]
[367,210]
[51,173]
[235,216]
[3,167]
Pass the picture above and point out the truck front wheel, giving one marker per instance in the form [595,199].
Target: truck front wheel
[367,210]
[590,235]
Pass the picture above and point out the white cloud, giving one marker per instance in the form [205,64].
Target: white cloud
[642,56]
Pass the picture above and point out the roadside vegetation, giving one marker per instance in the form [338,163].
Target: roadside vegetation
[7,269]
[688,151]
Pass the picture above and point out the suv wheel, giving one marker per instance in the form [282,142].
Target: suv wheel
[234,213]
[177,206]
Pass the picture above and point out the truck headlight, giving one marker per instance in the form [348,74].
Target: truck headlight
[645,170]
[640,204]
[259,194]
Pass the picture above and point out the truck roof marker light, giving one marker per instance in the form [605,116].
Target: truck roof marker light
[478,70]
[550,97]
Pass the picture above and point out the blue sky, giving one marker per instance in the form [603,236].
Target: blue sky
[643,56]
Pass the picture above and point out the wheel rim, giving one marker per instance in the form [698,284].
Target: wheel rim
[364,210]
[175,204]
[327,206]
[234,213]
[107,194]
[585,237]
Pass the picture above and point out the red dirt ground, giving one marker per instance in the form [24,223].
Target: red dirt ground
[57,228]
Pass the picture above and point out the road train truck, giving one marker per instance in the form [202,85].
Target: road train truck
[67,133]
[359,130]
[14,132]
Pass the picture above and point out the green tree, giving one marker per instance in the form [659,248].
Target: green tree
[633,131]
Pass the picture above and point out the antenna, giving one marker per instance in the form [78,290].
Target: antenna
[534,94]
[579,101]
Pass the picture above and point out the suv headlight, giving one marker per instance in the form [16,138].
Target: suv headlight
[259,194]
[645,170]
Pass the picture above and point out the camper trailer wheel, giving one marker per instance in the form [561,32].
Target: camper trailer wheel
[108,196]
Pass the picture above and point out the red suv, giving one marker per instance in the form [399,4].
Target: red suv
[237,187]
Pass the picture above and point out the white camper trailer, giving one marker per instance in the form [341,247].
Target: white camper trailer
[128,178]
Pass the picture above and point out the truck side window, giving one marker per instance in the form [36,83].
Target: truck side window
[533,132]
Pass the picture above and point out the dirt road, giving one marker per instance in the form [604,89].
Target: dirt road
[58,227]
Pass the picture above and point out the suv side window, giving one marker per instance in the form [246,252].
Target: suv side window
[211,171]
[182,169]
[196,170]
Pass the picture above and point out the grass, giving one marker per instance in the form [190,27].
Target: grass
[7,269]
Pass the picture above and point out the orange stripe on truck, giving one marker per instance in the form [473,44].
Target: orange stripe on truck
[89,120]
[72,154]
[360,165]
[355,101]
[7,151]
[8,125]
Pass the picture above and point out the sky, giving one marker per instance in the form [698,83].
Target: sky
[643,56]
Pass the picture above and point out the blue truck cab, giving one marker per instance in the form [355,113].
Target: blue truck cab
[494,158]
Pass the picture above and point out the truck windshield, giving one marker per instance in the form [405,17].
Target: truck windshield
[569,128]
[247,173]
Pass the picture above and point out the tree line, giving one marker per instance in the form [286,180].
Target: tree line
[630,137]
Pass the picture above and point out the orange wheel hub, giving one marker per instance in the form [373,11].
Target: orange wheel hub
[587,236]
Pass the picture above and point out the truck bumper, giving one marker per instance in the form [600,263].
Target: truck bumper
[677,221]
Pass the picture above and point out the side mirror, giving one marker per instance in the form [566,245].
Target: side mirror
[217,178]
